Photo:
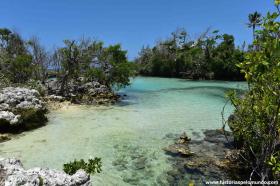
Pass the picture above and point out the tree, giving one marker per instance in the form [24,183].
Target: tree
[254,21]
[70,59]
[40,59]
[116,67]
[91,61]
[143,61]
[225,58]
[15,61]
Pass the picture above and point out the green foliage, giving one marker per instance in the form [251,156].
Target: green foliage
[257,122]
[37,85]
[254,20]
[20,69]
[225,59]
[17,63]
[4,81]
[41,181]
[117,69]
[211,56]
[89,59]
[274,162]
[91,167]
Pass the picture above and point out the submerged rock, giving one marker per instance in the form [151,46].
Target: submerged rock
[218,136]
[20,108]
[212,158]
[12,173]
[4,137]
[180,148]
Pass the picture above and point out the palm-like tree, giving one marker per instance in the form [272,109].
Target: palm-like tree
[254,21]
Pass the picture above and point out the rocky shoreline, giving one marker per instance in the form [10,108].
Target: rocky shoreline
[12,173]
[23,109]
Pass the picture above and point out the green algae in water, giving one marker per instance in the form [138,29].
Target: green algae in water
[129,136]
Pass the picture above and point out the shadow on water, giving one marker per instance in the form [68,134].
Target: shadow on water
[132,95]
[203,87]
[187,89]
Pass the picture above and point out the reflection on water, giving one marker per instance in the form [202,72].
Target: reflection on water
[129,136]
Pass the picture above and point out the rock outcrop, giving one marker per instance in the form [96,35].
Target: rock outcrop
[21,108]
[82,93]
[12,173]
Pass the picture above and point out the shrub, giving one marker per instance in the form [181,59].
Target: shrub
[257,122]
[91,167]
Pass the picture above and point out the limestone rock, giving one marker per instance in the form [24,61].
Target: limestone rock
[9,117]
[56,98]
[13,173]
[82,93]
[18,105]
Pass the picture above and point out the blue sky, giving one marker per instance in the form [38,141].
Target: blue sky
[133,23]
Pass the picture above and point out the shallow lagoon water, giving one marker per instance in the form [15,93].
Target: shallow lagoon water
[129,136]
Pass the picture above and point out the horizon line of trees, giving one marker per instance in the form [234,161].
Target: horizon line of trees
[211,56]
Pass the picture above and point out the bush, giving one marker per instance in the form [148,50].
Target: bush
[256,121]
[91,167]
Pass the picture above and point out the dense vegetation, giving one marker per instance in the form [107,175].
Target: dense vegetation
[256,122]
[211,56]
[22,61]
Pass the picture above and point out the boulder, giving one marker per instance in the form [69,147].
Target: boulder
[19,106]
[53,86]
[12,173]
[183,139]
[9,117]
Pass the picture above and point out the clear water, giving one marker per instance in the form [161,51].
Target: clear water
[129,137]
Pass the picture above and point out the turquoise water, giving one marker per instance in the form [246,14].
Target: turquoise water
[129,136]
